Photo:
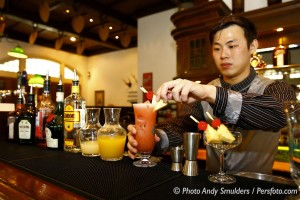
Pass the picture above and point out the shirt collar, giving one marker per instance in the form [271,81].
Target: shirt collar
[242,86]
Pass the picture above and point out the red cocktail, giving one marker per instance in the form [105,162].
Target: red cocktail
[145,120]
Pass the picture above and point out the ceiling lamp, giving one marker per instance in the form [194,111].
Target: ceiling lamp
[125,40]
[78,23]
[33,36]
[2,3]
[2,24]
[17,52]
[44,11]
[36,81]
[80,48]
[103,32]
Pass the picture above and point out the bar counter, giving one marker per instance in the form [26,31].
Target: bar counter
[30,172]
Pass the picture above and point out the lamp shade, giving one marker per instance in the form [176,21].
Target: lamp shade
[17,52]
[36,81]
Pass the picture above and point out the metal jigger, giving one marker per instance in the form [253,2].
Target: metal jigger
[177,157]
[191,145]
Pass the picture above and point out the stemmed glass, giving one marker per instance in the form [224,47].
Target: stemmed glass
[145,120]
[292,111]
[222,146]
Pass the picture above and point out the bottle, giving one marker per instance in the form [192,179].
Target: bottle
[13,117]
[55,122]
[111,136]
[88,133]
[74,117]
[280,54]
[26,121]
[44,109]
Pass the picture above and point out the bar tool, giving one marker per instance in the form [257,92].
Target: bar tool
[177,158]
[191,144]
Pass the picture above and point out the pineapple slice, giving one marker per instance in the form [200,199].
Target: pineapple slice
[224,134]
[211,135]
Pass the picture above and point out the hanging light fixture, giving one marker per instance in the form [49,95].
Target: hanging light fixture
[44,11]
[125,39]
[2,24]
[103,32]
[37,81]
[78,23]
[17,52]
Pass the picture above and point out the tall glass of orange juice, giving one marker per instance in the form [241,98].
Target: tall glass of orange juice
[145,120]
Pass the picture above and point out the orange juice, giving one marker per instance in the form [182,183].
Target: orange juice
[111,147]
[145,120]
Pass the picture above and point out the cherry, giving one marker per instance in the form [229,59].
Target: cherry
[149,95]
[202,125]
[216,123]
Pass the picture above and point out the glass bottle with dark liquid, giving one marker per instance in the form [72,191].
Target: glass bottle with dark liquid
[26,122]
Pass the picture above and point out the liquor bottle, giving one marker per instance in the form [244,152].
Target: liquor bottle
[74,117]
[55,122]
[280,54]
[45,107]
[12,119]
[26,121]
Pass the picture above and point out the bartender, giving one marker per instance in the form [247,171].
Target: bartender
[250,103]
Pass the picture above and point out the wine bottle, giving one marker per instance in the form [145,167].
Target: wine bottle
[74,117]
[55,122]
[26,121]
[12,119]
[45,107]
[280,54]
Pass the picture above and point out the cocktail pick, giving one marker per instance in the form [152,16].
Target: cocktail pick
[150,96]
[214,122]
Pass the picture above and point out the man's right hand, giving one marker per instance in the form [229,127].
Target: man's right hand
[132,143]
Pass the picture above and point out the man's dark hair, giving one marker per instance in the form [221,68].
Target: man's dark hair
[248,27]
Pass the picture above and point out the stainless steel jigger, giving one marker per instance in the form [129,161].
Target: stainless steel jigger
[191,145]
[177,158]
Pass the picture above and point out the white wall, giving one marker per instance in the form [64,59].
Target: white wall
[108,72]
[156,48]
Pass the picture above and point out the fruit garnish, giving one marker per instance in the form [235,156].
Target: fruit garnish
[216,123]
[149,95]
[202,125]
[211,135]
[225,134]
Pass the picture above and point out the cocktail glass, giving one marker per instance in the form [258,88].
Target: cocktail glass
[292,111]
[145,120]
[222,146]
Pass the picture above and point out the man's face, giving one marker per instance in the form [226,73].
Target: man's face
[231,54]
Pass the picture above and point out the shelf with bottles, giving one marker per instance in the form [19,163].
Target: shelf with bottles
[285,72]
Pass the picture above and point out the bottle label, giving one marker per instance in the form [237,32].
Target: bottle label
[279,54]
[75,89]
[59,96]
[51,142]
[11,122]
[71,118]
[24,129]
[39,124]
[69,142]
